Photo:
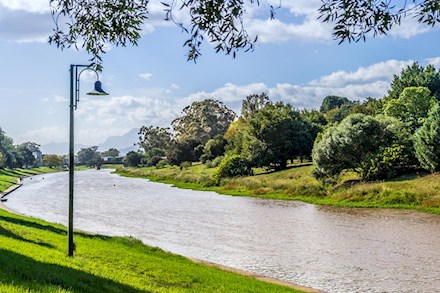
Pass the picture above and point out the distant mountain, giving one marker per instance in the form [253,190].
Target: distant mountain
[59,148]
[124,143]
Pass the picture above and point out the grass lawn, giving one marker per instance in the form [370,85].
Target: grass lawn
[297,183]
[33,259]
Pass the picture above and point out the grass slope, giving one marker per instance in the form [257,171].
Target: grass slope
[9,177]
[297,183]
[33,259]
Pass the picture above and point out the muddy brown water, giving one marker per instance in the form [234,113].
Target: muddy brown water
[327,248]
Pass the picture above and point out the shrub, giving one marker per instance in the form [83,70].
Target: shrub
[217,161]
[161,164]
[233,166]
[154,160]
[185,165]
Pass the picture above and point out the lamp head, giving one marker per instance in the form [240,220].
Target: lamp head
[98,91]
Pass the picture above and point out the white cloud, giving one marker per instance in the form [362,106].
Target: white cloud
[382,71]
[34,6]
[146,76]
[45,134]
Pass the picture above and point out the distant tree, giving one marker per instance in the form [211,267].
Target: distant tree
[411,107]
[51,160]
[89,156]
[133,159]
[203,120]
[415,75]
[112,152]
[253,103]
[427,140]
[332,102]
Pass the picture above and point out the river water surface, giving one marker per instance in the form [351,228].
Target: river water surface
[327,248]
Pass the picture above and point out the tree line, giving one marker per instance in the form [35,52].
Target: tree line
[377,138]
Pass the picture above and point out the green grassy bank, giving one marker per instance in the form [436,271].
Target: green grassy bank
[9,177]
[33,259]
[297,183]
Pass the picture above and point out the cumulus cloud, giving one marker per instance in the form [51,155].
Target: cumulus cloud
[382,71]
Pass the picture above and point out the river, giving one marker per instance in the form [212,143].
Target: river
[327,248]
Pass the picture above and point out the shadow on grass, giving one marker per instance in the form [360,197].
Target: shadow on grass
[32,224]
[26,273]
[7,233]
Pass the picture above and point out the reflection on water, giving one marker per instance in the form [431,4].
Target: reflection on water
[333,249]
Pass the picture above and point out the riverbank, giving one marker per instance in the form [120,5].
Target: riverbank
[414,192]
[33,258]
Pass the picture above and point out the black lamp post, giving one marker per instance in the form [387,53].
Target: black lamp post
[74,99]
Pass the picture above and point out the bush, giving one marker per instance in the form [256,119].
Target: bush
[233,166]
[153,161]
[185,165]
[161,164]
[217,161]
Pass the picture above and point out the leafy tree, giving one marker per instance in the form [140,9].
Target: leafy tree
[203,120]
[354,144]
[155,140]
[355,19]
[133,159]
[89,156]
[111,152]
[182,151]
[427,140]
[332,102]
[415,75]
[276,134]
[213,148]
[98,22]
[253,103]
[411,107]
[51,160]
[7,150]
[314,116]
[336,115]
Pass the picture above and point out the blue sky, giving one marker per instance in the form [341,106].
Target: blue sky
[295,61]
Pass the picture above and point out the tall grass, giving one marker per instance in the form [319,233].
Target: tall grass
[297,183]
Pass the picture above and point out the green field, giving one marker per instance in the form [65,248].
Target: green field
[297,183]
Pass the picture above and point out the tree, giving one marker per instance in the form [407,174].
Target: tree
[182,151]
[213,148]
[98,22]
[275,134]
[203,120]
[253,103]
[7,150]
[155,140]
[111,152]
[427,140]
[411,107]
[52,160]
[133,159]
[89,156]
[332,102]
[356,19]
[360,143]
[415,75]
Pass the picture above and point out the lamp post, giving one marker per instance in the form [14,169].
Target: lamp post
[74,99]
